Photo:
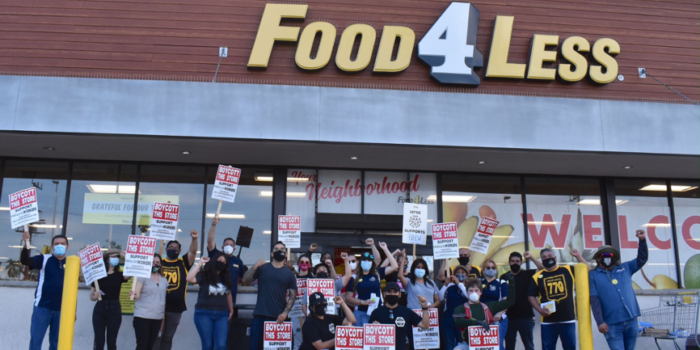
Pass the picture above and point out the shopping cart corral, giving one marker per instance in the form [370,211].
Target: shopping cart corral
[675,317]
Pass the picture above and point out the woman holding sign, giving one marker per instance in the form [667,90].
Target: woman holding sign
[304,264]
[107,314]
[214,307]
[319,330]
[149,307]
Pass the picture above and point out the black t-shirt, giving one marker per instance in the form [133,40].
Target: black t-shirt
[237,269]
[404,319]
[557,286]
[273,284]
[522,308]
[175,271]
[315,329]
[211,297]
[111,285]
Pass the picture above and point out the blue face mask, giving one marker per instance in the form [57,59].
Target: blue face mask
[366,265]
[420,273]
[114,262]
[59,250]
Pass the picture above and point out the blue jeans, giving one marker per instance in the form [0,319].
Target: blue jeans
[623,335]
[523,326]
[502,329]
[447,331]
[212,327]
[41,320]
[361,318]
[564,331]
[257,330]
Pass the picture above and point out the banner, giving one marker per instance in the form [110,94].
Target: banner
[289,230]
[445,241]
[427,338]
[118,209]
[24,208]
[380,337]
[301,294]
[126,303]
[226,184]
[484,233]
[415,223]
[349,338]
[326,287]
[164,221]
[278,336]
[139,256]
[480,339]
[92,264]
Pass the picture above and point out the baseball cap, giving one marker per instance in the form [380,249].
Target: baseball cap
[392,285]
[316,298]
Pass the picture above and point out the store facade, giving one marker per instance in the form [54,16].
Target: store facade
[341,112]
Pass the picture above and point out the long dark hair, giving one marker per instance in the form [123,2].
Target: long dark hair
[160,270]
[412,277]
[308,272]
[212,277]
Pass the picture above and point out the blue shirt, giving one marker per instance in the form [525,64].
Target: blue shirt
[49,291]
[494,290]
[237,269]
[366,285]
[617,301]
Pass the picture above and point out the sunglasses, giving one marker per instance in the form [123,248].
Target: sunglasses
[607,255]
[367,256]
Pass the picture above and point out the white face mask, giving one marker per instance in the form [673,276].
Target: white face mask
[473,297]
[353,265]
[228,250]
[607,261]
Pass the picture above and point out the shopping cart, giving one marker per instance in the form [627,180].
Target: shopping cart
[675,317]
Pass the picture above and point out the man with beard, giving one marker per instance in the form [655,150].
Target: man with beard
[613,301]
[404,318]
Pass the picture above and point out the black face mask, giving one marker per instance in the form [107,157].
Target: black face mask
[549,263]
[172,254]
[463,260]
[392,299]
[515,268]
[320,310]
[220,266]
[322,275]
[279,255]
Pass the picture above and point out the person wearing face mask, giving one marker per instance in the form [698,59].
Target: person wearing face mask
[418,283]
[275,283]
[464,260]
[476,313]
[555,284]
[175,269]
[319,328]
[520,316]
[304,264]
[452,294]
[360,289]
[149,307]
[400,257]
[321,271]
[214,307]
[495,289]
[613,301]
[49,290]
[236,267]
[402,317]
[107,314]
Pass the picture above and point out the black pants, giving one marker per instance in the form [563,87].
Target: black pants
[525,327]
[146,332]
[106,316]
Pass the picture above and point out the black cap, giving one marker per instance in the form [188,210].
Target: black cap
[316,298]
[392,285]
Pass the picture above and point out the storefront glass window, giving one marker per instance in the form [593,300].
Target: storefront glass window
[49,179]
[643,204]
[301,198]
[467,199]
[386,192]
[252,209]
[686,206]
[564,214]
[340,191]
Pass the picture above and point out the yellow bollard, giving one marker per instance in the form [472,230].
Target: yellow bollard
[583,307]
[69,303]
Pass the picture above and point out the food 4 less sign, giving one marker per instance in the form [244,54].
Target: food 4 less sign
[449,47]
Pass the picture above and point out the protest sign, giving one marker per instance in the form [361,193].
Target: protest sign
[484,233]
[445,241]
[92,264]
[226,184]
[326,287]
[278,336]
[301,294]
[349,338]
[164,221]
[415,223]
[427,338]
[24,208]
[481,339]
[379,337]
[289,230]
[139,256]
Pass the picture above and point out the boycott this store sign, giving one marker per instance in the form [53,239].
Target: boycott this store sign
[448,47]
